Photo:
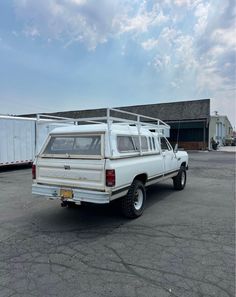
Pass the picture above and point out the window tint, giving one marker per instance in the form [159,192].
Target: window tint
[164,145]
[74,145]
[125,144]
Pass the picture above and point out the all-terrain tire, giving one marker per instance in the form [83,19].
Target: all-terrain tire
[132,205]
[180,179]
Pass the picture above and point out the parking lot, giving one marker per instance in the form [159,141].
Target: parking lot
[183,245]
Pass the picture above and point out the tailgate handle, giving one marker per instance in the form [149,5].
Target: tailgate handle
[67,167]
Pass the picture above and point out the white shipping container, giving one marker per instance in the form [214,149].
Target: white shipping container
[17,140]
[21,138]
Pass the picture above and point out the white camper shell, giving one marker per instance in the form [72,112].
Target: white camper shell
[107,158]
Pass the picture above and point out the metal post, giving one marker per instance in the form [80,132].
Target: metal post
[139,135]
[36,134]
[109,122]
[204,135]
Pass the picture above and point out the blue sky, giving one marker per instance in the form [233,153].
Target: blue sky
[76,54]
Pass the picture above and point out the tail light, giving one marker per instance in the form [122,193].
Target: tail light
[110,177]
[33,171]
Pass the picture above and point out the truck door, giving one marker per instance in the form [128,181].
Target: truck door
[170,161]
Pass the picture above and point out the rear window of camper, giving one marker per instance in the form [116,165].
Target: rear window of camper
[74,145]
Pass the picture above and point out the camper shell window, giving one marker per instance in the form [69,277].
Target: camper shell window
[74,146]
[131,143]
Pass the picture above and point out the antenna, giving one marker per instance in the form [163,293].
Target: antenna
[178,133]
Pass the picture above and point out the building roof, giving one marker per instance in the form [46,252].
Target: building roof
[174,111]
[184,110]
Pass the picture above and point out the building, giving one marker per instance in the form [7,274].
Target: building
[220,129]
[189,120]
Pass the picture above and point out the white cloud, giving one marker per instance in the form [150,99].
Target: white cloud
[169,35]
[218,61]
[175,44]
[142,20]
[185,51]
[161,62]
[225,37]
[187,3]
[201,12]
[150,44]
[87,22]
[78,2]
[209,79]
[182,2]
[68,20]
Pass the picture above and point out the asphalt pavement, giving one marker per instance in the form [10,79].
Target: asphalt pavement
[182,246]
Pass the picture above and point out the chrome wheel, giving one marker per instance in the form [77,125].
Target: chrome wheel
[138,199]
[133,203]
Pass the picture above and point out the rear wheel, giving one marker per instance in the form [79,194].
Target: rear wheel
[132,204]
[180,179]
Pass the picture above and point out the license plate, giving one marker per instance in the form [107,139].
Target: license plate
[66,194]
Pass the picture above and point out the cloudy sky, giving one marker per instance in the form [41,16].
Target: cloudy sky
[75,54]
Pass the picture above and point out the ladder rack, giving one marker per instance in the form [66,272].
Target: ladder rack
[111,117]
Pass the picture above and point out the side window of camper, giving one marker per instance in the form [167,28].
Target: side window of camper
[136,142]
[144,143]
[125,144]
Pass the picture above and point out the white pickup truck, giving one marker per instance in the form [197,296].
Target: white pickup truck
[102,161]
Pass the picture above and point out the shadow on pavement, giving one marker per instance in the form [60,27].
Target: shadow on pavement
[93,216]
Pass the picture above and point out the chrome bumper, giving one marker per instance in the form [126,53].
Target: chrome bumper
[79,195]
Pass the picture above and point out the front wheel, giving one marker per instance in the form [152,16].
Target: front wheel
[180,179]
[132,204]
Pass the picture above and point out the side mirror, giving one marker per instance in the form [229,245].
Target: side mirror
[176,148]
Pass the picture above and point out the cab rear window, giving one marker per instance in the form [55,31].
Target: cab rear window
[74,145]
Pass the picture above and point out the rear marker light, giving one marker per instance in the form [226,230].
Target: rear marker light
[110,178]
[33,172]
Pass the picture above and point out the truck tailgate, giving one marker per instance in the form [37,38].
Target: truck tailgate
[86,174]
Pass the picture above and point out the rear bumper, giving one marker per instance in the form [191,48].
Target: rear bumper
[79,195]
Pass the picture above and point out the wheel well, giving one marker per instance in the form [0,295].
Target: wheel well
[183,164]
[142,177]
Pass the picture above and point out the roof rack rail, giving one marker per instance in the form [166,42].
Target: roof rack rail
[112,115]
